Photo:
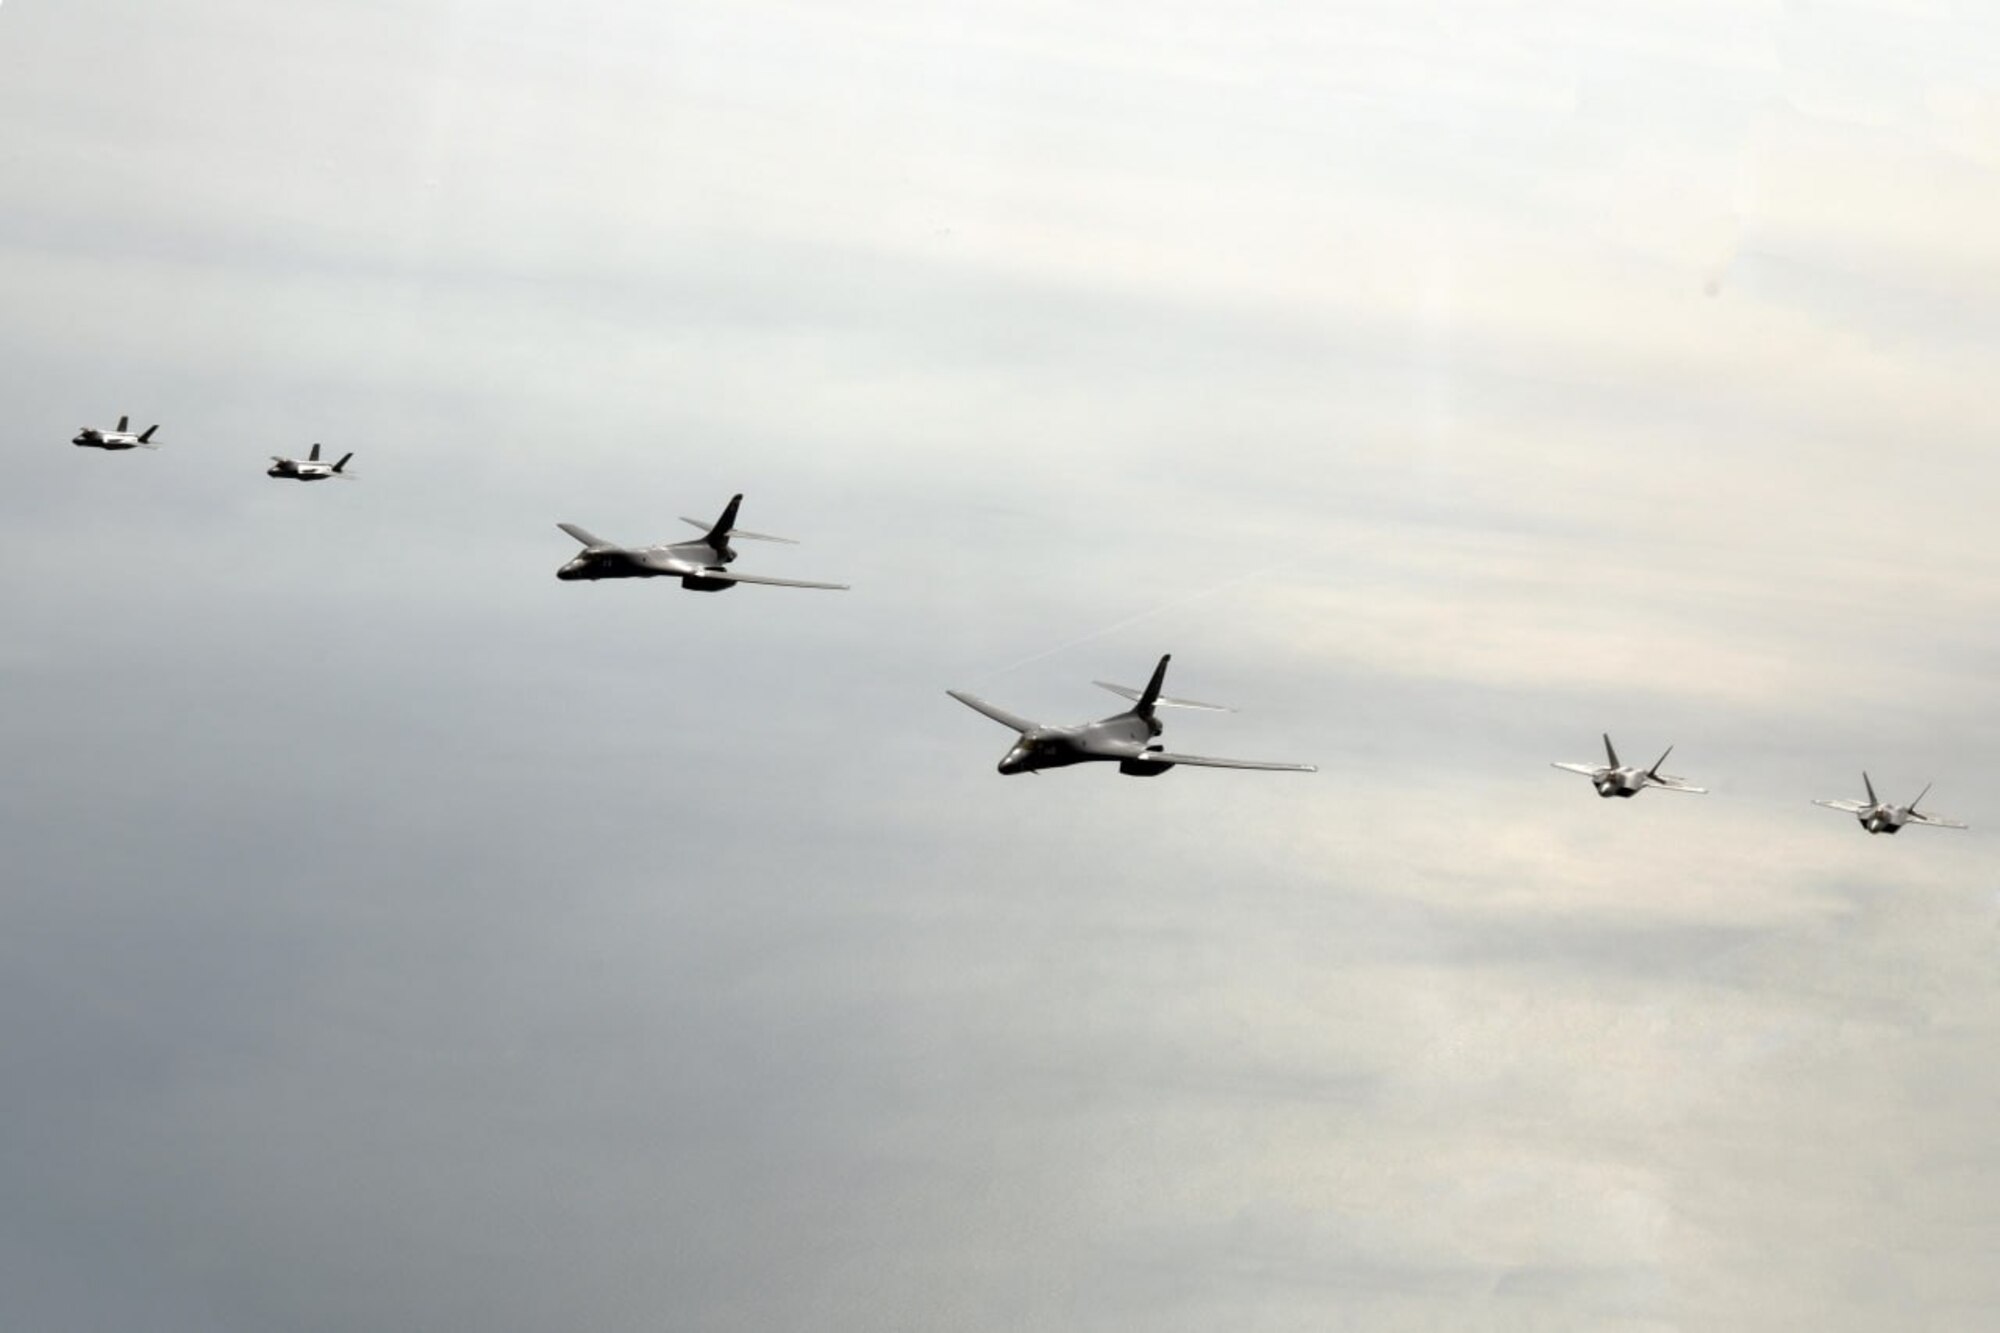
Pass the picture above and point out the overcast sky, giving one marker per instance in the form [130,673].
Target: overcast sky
[394,938]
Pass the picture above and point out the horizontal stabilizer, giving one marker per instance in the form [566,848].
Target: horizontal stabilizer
[1163,701]
[1665,783]
[998,714]
[704,525]
[1584,769]
[1204,761]
[590,540]
[1934,821]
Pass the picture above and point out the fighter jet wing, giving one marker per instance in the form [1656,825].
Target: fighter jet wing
[1845,807]
[1203,761]
[1665,783]
[1935,822]
[1586,769]
[1000,715]
[734,577]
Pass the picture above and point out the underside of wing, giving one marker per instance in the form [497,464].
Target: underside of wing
[1845,807]
[1204,761]
[733,577]
[1587,770]
[1935,822]
[1000,715]
[1665,783]
[1164,701]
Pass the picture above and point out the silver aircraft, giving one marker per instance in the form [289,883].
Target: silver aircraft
[1125,739]
[1878,816]
[90,437]
[309,468]
[1616,779]
[700,564]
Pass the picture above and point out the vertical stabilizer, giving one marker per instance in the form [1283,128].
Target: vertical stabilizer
[124,424]
[147,438]
[343,460]
[1151,694]
[718,536]
[313,457]
[1610,754]
[1920,796]
[1654,771]
[1873,799]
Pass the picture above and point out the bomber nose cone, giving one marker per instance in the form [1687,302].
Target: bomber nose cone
[1014,760]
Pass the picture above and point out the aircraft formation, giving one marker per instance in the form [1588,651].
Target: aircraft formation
[1128,739]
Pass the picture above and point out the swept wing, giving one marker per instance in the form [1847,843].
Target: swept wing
[1163,701]
[705,525]
[998,714]
[1845,807]
[1204,761]
[590,540]
[733,577]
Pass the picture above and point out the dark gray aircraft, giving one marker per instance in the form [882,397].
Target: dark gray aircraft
[90,437]
[1878,816]
[1616,779]
[308,469]
[1124,738]
[699,565]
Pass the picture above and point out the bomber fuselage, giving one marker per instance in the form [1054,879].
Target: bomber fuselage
[685,561]
[1121,739]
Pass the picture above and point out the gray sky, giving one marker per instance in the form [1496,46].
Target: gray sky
[394,938]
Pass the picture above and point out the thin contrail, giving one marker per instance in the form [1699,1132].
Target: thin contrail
[1133,619]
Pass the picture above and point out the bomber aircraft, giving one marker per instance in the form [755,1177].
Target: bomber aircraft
[90,437]
[309,468]
[1879,816]
[701,565]
[1125,739]
[1616,779]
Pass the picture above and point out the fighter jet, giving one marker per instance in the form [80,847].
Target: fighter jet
[1616,779]
[1878,816]
[1123,738]
[700,565]
[311,469]
[90,437]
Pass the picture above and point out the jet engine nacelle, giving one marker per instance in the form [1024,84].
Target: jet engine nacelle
[1142,767]
[696,583]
